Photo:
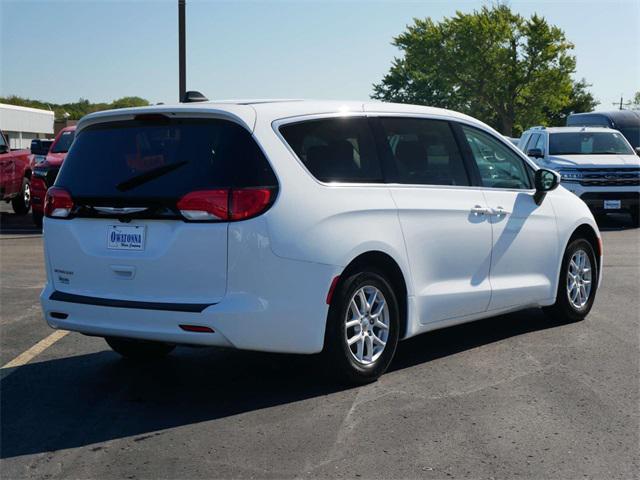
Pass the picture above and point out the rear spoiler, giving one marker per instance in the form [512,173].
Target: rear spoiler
[243,115]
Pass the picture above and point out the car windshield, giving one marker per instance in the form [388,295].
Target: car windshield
[588,143]
[64,142]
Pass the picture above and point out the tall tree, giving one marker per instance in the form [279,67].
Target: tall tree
[75,110]
[580,100]
[494,64]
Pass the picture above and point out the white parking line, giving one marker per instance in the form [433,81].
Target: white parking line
[37,349]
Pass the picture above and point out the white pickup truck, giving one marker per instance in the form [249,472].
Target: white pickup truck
[597,164]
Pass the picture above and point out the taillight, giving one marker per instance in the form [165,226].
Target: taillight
[205,205]
[58,203]
[248,202]
[227,204]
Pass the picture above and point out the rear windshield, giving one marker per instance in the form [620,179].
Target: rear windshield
[162,159]
[64,142]
[588,143]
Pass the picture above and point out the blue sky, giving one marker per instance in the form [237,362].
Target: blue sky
[101,50]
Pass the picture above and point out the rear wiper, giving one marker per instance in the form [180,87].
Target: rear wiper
[145,177]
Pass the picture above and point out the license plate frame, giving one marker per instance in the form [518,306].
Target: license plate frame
[126,237]
[612,204]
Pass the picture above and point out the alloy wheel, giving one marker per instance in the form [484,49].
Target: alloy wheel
[26,195]
[579,279]
[366,325]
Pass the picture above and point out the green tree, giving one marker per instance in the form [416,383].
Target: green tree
[75,110]
[580,100]
[493,64]
[125,102]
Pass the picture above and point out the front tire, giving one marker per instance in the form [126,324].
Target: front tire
[139,349]
[577,284]
[363,327]
[21,203]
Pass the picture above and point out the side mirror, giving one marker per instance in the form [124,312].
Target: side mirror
[535,153]
[638,150]
[4,148]
[545,181]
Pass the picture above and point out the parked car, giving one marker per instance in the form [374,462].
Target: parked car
[46,171]
[597,164]
[513,140]
[304,227]
[15,177]
[39,150]
[626,121]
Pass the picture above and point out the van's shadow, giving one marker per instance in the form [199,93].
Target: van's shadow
[86,399]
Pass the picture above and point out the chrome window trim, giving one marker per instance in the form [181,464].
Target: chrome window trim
[276,124]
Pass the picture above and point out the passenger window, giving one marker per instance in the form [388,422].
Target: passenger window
[532,142]
[336,149]
[423,152]
[540,143]
[499,166]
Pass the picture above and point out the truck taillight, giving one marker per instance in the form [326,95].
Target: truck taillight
[225,204]
[58,203]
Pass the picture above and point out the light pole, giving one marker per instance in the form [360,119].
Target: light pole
[182,52]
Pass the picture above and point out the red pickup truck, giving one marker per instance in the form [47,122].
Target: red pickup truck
[15,176]
[45,172]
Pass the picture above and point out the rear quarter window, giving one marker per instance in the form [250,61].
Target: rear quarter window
[335,149]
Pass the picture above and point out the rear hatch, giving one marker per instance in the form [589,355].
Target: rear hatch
[141,207]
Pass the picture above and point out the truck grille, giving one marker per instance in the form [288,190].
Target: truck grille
[611,177]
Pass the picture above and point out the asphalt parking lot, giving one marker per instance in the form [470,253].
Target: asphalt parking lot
[511,396]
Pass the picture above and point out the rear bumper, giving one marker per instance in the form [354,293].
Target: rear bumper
[287,314]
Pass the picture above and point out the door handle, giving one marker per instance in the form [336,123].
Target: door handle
[500,212]
[480,210]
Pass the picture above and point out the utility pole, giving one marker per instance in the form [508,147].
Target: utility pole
[621,105]
[182,51]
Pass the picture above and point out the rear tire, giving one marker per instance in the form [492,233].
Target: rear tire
[577,284]
[362,328]
[37,218]
[139,349]
[635,216]
[21,203]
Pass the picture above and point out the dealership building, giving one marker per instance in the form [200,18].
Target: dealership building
[22,124]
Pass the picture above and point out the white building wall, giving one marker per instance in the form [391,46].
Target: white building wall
[23,124]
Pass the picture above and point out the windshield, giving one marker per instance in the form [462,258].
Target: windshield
[161,160]
[64,142]
[588,143]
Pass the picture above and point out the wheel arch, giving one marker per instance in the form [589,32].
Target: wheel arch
[27,173]
[587,232]
[388,265]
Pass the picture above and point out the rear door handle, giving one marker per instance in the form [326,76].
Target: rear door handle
[124,271]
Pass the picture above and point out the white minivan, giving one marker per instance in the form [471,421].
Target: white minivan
[305,227]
